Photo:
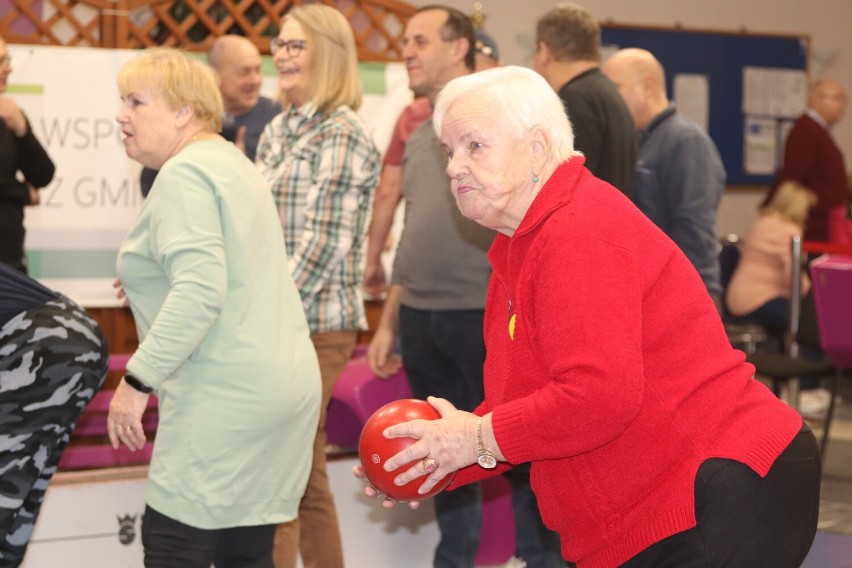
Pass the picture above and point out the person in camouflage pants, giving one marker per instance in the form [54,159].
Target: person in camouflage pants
[53,359]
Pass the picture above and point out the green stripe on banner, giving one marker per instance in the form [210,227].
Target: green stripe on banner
[373,77]
[49,263]
[18,89]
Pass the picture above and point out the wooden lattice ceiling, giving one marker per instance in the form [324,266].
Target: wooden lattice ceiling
[189,24]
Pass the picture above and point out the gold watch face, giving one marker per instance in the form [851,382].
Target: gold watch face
[487,461]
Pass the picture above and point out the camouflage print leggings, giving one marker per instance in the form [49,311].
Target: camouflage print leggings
[53,358]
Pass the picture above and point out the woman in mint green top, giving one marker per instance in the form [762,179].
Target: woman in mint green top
[224,341]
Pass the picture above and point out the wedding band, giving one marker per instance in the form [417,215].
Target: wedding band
[429,465]
[128,428]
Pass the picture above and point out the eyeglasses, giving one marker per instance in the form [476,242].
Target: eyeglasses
[5,61]
[294,46]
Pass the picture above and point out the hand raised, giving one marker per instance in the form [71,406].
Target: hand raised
[12,115]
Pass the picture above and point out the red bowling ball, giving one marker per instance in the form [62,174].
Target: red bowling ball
[374,449]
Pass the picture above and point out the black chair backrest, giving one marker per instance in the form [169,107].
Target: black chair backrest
[729,257]
[808,332]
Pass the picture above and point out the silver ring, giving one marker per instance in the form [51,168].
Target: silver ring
[429,465]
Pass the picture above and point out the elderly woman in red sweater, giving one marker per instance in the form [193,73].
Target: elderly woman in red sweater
[608,367]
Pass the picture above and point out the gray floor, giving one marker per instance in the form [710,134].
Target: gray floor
[832,547]
[836,497]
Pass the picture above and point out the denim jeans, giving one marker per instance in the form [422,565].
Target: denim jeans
[773,314]
[534,542]
[444,353]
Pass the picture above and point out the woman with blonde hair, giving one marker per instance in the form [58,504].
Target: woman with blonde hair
[223,337]
[760,286]
[323,168]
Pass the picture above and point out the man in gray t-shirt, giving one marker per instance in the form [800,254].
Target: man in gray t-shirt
[441,260]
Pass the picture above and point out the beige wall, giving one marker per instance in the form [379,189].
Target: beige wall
[827,22]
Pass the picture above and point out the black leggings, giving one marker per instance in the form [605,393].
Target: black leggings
[170,543]
[54,359]
[745,521]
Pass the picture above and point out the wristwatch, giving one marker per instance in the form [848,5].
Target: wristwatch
[137,384]
[486,457]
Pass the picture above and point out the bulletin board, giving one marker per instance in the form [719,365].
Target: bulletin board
[722,57]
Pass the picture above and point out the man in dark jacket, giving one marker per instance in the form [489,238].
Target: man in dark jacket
[568,55]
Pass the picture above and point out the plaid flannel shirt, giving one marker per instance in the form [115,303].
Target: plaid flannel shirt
[323,170]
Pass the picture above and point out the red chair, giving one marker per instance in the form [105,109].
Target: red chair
[359,393]
[89,447]
[118,361]
[356,396]
[99,456]
[831,277]
[94,419]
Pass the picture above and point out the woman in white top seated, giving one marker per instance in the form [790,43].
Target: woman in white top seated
[760,286]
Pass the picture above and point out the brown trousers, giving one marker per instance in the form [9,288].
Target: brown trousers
[315,534]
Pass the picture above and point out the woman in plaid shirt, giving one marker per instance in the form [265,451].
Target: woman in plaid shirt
[323,168]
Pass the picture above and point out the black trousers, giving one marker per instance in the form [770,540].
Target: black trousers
[170,543]
[745,521]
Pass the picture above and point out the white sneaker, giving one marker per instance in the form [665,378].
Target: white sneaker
[814,402]
[515,562]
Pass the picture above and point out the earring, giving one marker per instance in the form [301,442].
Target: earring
[535,179]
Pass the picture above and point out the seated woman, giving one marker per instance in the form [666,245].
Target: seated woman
[760,286]
[608,367]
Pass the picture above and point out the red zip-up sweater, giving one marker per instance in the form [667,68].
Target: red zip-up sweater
[617,379]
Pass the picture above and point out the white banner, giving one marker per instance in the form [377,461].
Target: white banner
[71,98]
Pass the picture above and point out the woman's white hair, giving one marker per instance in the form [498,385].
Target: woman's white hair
[519,100]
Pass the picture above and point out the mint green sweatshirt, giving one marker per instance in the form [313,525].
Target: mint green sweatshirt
[223,340]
